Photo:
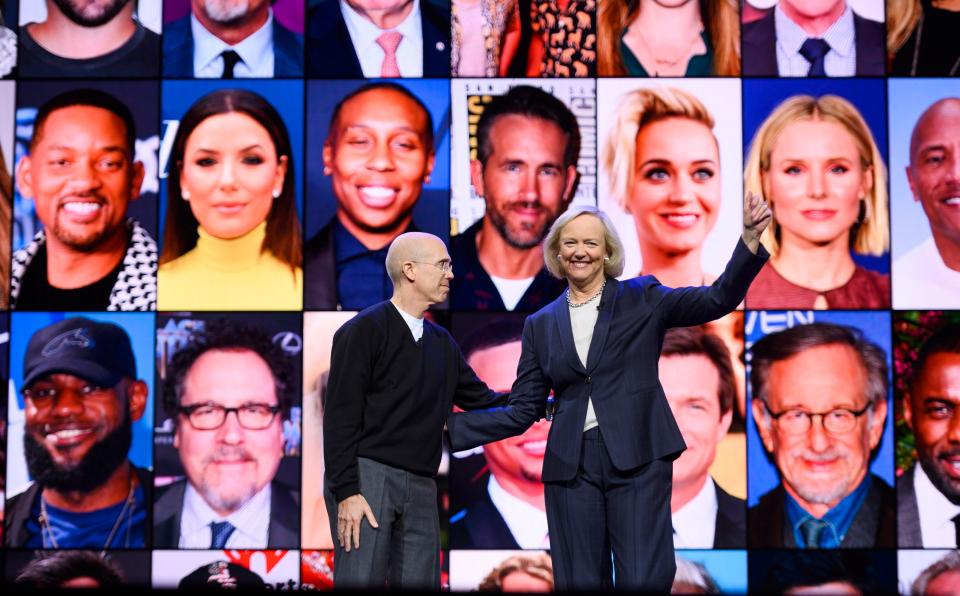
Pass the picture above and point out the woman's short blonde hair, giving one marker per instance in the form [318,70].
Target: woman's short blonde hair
[536,565]
[872,234]
[636,110]
[612,267]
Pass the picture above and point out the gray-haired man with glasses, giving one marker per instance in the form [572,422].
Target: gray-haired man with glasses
[228,390]
[820,402]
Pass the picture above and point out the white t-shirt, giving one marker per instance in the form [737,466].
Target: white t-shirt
[511,290]
[921,280]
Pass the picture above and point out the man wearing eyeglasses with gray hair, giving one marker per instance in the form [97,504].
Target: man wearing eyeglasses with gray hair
[820,401]
[228,390]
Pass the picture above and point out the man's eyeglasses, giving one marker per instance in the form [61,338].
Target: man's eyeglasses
[444,266]
[836,421]
[211,416]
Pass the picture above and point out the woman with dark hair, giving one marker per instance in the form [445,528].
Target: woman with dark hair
[232,223]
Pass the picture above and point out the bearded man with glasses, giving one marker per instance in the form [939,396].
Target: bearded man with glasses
[820,402]
[228,390]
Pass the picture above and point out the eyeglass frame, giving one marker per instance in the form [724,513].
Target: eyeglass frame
[444,265]
[823,416]
[188,411]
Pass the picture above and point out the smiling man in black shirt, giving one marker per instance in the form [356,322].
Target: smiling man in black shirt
[393,377]
[81,175]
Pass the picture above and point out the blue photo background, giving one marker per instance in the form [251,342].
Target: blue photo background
[140,328]
[875,326]
[142,100]
[432,211]
[762,96]
[285,96]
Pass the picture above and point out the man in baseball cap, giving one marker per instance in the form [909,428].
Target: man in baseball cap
[81,397]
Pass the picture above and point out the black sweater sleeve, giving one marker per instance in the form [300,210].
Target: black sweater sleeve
[351,365]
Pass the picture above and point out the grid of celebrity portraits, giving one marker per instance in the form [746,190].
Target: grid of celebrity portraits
[195,195]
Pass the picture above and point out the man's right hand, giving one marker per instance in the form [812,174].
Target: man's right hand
[350,513]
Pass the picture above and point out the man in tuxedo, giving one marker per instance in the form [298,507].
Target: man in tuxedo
[507,510]
[230,497]
[227,39]
[354,39]
[697,377]
[815,38]
[928,495]
[820,402]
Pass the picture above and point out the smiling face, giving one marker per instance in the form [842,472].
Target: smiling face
[676,189]
[932,410]
[378,160]
[516,462]
[524,183]
[80,176]
[819,468]
[77,434]
[582,249]
[815,183]
[692,386]
[934,170]
[230,464]
[230,173]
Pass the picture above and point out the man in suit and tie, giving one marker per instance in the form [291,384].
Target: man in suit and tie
[697,377]
[228,391]
[928,495]
[354,39]
[227,39]
[816,38]
[820,402]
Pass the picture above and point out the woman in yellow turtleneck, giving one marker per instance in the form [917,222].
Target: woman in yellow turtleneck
[232,238]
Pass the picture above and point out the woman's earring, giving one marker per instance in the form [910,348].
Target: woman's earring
[276,194]
[606,258]
[185,194]
[327,171]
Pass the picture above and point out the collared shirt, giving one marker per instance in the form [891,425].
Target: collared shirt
[527,523]
[936,512]
[362,278]
[694,524]
[252,521]
[840,61]
[415,324]
[364,35]
[839,519]
[256,52]
[922,280]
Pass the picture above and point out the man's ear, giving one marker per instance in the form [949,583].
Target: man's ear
[137,393]
[476,177]
[136,180]
[24,175]
[762,421]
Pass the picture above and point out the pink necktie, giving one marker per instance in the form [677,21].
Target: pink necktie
[389,41]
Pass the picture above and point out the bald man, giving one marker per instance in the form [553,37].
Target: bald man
[928,276]
[393,377]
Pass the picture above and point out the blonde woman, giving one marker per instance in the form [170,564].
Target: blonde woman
[683,38]
[484,37]
[816,163]
[663,165]
[922,37]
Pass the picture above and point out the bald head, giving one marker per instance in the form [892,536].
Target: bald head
[936,118]
[412,247]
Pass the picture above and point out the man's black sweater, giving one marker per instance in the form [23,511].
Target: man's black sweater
[388,398]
